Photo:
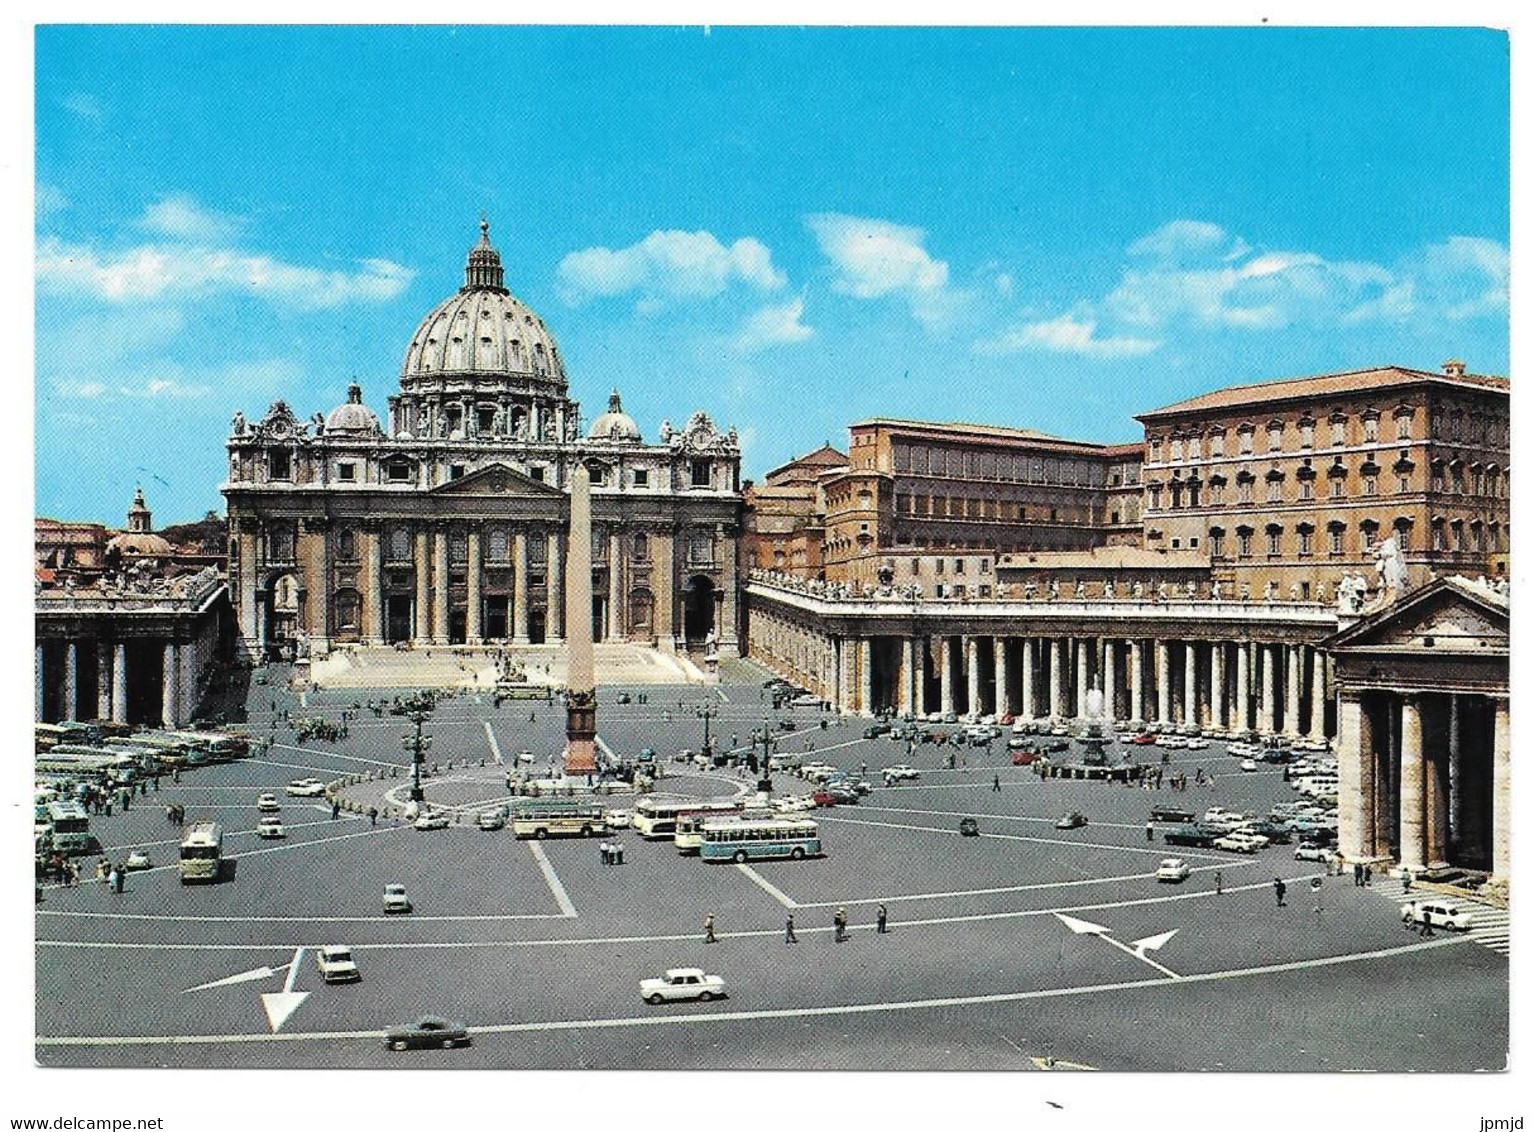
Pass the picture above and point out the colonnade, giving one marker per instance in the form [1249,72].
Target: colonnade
[89,678]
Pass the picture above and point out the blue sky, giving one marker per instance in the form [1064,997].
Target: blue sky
[791,229]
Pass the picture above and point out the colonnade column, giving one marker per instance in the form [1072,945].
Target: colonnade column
[1056,685]
[71,680]
[945,674]
[554,617]
[422,625]
[906,685]
[1265,658]
[1136,682]
[1316,723]
[1163,684]
[865,675]
[1292,692]
[473,628]
[1217,685]
[103,680]
[170,686]
[1501,792]
[519,588]
[1190,682]
[1082,677]
[120,683]
[1243,718]
[37,684]
[972,672]
[1110,709]
[1436,796]
[1025,709]
[439,580]
[1413,787]
[1003,674]
[838,676]
[1355,779]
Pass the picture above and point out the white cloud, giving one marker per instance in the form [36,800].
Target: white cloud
[85,105]
[50,199]
[1465,277]
[669,265]
[175,271]
[877,258]
[774,326]
[1066,334]
[180,215]
[1179,239]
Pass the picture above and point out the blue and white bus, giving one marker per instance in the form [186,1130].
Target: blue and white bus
[757,839]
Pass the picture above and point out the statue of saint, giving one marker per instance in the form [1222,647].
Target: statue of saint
[237,426]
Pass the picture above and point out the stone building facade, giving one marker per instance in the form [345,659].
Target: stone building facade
[785,515]
[449,525]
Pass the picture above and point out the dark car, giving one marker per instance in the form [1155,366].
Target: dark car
[969,827]
[1172,814]
[1073,820]
[427,1032]
[1277,833]
[787,724]
[625,698]
[1191,834]
[844,792]
[1055,746]
[874,730]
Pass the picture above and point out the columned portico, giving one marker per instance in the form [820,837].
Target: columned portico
[1243,719]
[1190,712]
[1002,676]
[1110,683]
[1136,682]
[1025,708]
[945,674]
[1265,659]
[1083,655]
[519,588]
[1163,684]
[473,624]
[1217,685]
[1292,670]
[972,671]
[1056,680]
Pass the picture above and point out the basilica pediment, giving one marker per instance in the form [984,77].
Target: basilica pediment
[1449,614]
[499,480]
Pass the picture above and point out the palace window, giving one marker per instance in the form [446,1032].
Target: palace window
[1275,489]
[1217,444]
[1339,423]
[397,471]
[457,547]
[1403,424]
[399,544]
[1216,542]
[701,473]
[1402,529]
[536,473]
[485,419]
[1334,539]
[281,466]
[346,472]
[280,543]
[1457,478]
[1195,448]
[1275,436]
[1243,542]
[1371,426]
[1438,543]
[1437,475]
[641,477]
[1274,533]
[1306,533]
[1371,533]
[455,471]
[1155,450]
[1246,433]
[346,547]
[640,544]
[1307,488]
[1155,497]
[1371,483]
[1458,529]
[1176,449]
[1307,432]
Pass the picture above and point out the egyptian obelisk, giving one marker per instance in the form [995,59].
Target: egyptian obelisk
[580,679]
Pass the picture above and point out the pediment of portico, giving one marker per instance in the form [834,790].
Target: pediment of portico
[1444,615]
[500,481]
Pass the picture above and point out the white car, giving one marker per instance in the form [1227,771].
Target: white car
[395,899]
[901,773]
[138,859]
[336,964]
[270,827]
[306,788]
[1240,842]
[680,984]
[1439,913]
[1248,764]
[491,820]
[619,819]
[268,804]
[434,819]
[1173,870]
[1198,743]
[1312,853]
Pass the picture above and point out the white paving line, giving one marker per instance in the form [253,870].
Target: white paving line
[999,817]
[495,747]
[633,1021]
[327,754]
[1153,850]
[561,897]
[769,888]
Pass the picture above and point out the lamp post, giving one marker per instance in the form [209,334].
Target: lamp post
[417,744]
[707,713]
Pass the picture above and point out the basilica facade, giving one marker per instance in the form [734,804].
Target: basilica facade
[446,523]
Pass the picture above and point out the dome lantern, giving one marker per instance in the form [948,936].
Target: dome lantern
[483,271]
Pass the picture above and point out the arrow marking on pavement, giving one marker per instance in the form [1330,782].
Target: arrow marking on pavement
[243,977]
[281,1004]
[1137,949]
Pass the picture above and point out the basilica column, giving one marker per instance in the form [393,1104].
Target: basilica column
[1413,847]
[1056,684]
[519,588]
[972,673]
[1003,676]
[373,629]
[1083,677]
[1217,685]
[170,686]
[665,590]
[474,628]
[439,581]
[1190,713]
[1292,692]
[1316,723]
[316,572]
[615,610]
[1355,779]
[422,590]
[1435,780]
[120,683]
[1026,708]
[1110,681]
[554,619]
[945,675]
[1501,793]
[1163,684]
[1243,719]
[1265,657]
[1136,681]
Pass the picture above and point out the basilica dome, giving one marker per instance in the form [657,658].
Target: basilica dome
[139,540]
[483,332]
[353,416]
[615,424]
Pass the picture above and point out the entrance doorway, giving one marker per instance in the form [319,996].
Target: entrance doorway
[698,609]
[496,619]
[397,618]
[457,626]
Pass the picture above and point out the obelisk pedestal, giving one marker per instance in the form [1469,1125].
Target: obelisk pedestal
[581,694]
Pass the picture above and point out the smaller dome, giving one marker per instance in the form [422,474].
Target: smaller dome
[353,416]
[139,544]
[615,424]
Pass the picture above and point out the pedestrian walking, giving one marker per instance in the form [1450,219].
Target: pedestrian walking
[1406,880]
[788,930]
[607,853]
[1409,916]
[1219,882]
[1358,874]
[1150,831]
[618,853]
[708,929]
[1427,926]
[996,783]
[883,920]
[1278,891]
[372,815]
[335,809]
[840,921]
[1368,876]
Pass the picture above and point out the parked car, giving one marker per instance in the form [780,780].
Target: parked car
[969,827]
[901,773]
[1144,739]
[1055,746]
[432,819]
[1312,852]
[874,730]
[1025,757]
[1192,834]
[336,964]
[270,827]
[824,798]
[619,819]
[427,1032]
[268,804]
[1171,814]
[1439,913]
[680,984]
[306,788]
[138,859]
[1248,764]
[1073,820]
[845,793]
[491,820]
[1198,743]
[1173,870]
[1273,832]
[1240,842]
[395,898]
